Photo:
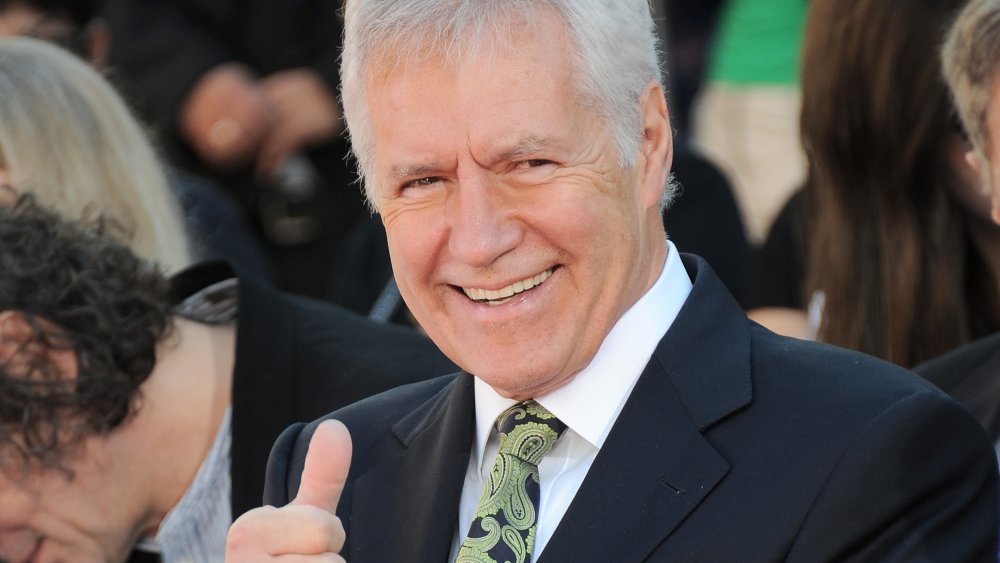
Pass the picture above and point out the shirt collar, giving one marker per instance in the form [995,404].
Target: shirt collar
[590,403]
[202,504]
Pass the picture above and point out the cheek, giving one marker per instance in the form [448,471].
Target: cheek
[413,246]
[598,225]
[15,508]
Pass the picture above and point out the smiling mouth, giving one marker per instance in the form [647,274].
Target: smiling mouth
[504,294]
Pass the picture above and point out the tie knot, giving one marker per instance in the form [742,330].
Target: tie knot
[528,431]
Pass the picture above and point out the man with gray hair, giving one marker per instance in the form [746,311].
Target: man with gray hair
[615,404]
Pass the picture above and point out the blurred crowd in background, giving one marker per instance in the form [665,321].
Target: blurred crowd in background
[820,161]
[820,164]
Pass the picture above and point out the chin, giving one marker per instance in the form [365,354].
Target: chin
[519,384]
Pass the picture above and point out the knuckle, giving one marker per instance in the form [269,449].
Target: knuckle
[324,532]
[239,537]
[244,531]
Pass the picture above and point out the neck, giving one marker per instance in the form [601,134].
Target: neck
[184,401]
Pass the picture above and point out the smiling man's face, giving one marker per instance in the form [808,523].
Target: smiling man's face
[516,238]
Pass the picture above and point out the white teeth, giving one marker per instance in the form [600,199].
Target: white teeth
[511,290]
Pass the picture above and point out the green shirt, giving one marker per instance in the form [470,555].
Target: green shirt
[758,41]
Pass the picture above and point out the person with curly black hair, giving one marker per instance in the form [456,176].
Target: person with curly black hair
[137,411]
[101,320]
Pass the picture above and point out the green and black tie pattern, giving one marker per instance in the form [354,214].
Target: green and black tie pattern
[503,527]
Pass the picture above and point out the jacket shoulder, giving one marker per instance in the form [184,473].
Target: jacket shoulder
[370,422]
[828,372]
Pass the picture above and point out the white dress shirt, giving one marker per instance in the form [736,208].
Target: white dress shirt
[589,405]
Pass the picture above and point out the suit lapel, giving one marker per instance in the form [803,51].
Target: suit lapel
[411,500]
[656,466]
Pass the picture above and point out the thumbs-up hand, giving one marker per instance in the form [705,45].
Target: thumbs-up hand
[307,526]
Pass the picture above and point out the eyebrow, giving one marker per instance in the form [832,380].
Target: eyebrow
[414,170]
[530,145]
[525,147]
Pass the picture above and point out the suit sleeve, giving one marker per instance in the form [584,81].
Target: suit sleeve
[281,464]
[919,485]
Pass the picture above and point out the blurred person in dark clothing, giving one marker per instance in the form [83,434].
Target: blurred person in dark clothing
[244,92]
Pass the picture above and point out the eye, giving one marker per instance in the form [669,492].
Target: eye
[532,163]
[421,182]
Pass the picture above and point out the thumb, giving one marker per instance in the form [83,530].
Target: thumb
[327,463]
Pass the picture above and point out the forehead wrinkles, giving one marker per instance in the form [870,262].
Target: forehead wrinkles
[463,72]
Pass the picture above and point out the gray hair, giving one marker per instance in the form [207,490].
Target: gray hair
[614,40]
[68,137]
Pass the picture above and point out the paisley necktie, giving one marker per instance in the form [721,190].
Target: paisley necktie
[503,527]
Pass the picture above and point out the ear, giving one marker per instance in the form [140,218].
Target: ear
[21,347]
[657,151]
[975,161]
[978,163]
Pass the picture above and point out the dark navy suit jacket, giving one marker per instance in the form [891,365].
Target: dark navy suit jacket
[971,374]
[735,445]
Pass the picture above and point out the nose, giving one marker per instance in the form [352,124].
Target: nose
[482,222]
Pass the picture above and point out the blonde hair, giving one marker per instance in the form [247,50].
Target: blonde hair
[68,137]
[971,63]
